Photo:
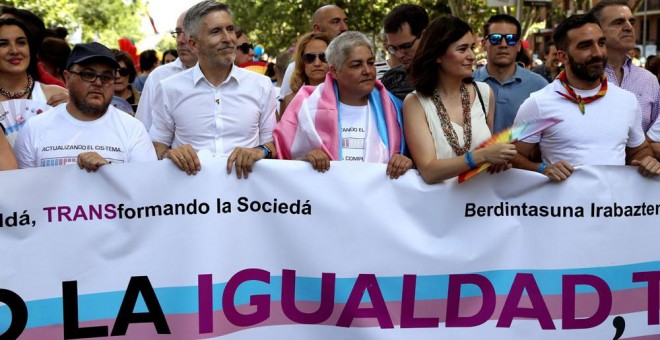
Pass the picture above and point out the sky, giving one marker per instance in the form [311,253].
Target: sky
[164,13]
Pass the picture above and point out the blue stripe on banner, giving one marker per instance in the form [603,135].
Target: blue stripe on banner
[183,300]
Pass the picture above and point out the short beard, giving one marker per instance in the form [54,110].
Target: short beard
[581,70]
[88,109]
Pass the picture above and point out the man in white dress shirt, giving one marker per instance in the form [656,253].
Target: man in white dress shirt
[186,60]
[215,105]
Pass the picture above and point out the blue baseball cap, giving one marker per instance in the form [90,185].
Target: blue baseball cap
[91,51]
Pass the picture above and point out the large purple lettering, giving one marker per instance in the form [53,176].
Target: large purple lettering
[368,283]
[539,311]
[289,299]
[653,279]
[262,302]
[454,300]
[205,302]
[408,319]
[569,320]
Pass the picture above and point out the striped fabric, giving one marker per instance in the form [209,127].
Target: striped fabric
[311,121]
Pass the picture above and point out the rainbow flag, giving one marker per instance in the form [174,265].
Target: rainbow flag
[517,131]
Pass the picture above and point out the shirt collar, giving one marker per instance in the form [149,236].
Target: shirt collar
[234,74]
[628,62]
[517,75]
[177,63]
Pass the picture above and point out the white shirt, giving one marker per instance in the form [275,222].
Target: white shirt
[148,95]
[597,137]
[57,138]
[654,131]
[240,112]
[286,81]
[354,124]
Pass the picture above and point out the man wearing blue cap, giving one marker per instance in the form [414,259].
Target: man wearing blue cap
[87,130]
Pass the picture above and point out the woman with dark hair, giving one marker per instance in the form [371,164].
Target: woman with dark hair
[449,114]
[19,77]
[36,30]
[126,74]
[311,65]
[169,56]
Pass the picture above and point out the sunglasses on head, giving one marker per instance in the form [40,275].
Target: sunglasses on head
[122,71]
[309,58]
[496,38]
[245,47]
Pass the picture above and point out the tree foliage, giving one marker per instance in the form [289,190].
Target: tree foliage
[277,24]
[102,20]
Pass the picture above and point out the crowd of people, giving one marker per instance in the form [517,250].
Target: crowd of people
[429,107]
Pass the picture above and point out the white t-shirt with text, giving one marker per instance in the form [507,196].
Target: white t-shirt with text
[57,138]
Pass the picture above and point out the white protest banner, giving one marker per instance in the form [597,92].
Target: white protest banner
[143,250]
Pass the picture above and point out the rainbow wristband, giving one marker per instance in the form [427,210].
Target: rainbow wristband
[541,168]
[469,160]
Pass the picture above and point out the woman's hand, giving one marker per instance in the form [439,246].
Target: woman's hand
[398,165]
[319,160]
[496,154]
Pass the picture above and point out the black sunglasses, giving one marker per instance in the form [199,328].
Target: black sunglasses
[496,38]
[309,58]
[245,47]
[122,71]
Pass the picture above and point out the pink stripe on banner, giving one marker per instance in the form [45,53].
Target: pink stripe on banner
[189,326]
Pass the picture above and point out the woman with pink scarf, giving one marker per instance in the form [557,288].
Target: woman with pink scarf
[349,117]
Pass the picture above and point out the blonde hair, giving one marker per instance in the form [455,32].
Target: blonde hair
[299,78]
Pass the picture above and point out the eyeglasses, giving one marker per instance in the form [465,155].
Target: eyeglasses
[91,77]
[309,58]
[122,71]
[176,33]
[245,47]
[403,47]
[496,38]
